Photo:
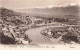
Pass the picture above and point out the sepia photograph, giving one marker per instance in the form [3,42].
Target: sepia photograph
[39,22]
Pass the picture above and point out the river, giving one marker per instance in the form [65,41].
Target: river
[37,38]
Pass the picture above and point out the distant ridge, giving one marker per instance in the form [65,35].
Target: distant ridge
[66,9]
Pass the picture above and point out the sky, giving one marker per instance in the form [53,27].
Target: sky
[13,4]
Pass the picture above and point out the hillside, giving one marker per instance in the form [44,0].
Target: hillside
[6,12]
[10,16]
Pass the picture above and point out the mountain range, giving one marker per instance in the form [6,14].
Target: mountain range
[67,9]
[58,11]
[53,11]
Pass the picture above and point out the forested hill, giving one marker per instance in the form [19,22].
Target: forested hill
[7,12]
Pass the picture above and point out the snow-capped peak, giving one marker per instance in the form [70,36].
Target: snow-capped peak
[68,4]
[63,5]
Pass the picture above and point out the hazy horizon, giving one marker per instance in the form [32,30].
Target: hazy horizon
[17,4]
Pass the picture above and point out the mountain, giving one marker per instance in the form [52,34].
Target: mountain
[67,9]
[63,11]
[7,12]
